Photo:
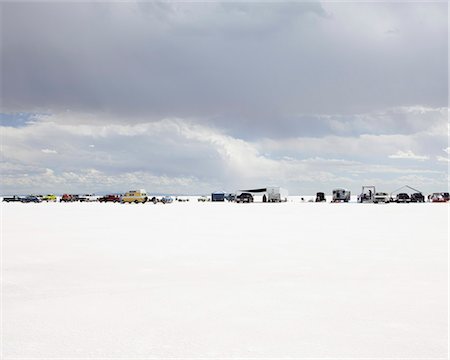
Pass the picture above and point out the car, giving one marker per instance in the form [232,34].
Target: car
[381,197]
[49,197]
[14,198]
[437,198]
[417,197]
[87,198]
[202,199]
[30,199]
[67,198]
[445,196]
[244,197]
[402,198]
[135,196]
[230,197]
[166,200]
[110,198]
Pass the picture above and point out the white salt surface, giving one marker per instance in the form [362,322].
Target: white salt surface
[218,280]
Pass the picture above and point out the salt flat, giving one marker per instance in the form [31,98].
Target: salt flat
[208,280]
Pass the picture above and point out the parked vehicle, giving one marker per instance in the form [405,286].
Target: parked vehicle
[12,198]
[68,198]
[230,197]
[276,194]
[87,198]
[417,197]
[218,196]
[202,199]
[320,197]
[381,197]
[110,198]
[437,198]
[402,198]
[135,196]
[244,198]
[340,195]
[367,194]
[446,196]
[31,199]
[49,197]
[166,200]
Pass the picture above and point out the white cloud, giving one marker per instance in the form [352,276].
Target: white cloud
[442,158]
[408,155]
[182,155]
[49,151]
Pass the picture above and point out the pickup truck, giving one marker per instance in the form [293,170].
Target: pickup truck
[12,198]
[109,198]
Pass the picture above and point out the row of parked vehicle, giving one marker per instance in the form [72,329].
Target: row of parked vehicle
[31,198]
[134,196]
[370,195]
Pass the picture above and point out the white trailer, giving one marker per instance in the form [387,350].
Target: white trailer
[341,195]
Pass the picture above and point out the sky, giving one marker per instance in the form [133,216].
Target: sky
[195,97]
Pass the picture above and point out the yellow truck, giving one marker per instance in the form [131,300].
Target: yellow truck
[135,196]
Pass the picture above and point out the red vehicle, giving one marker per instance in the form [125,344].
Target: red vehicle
[437,198]
[110,198]
[67,198]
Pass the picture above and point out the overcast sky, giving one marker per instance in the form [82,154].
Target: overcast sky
[194,97]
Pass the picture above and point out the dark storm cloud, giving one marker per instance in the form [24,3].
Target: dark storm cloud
[244,66]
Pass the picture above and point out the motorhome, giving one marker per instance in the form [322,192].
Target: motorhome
[135,196]
[341,195]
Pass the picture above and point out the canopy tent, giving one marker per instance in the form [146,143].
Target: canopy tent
[262,190]
[406,186]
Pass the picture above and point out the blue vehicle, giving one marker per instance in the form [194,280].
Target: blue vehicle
[30,199]
[167,200]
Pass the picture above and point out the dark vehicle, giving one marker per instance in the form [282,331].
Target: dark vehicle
[109,198]
[218,196]
[417,197]
[30,199]
[320,197]
[244,198]
[12,199]
[402,198]
[445,196]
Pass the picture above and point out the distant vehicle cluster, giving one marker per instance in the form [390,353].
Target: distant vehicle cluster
[368,194]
